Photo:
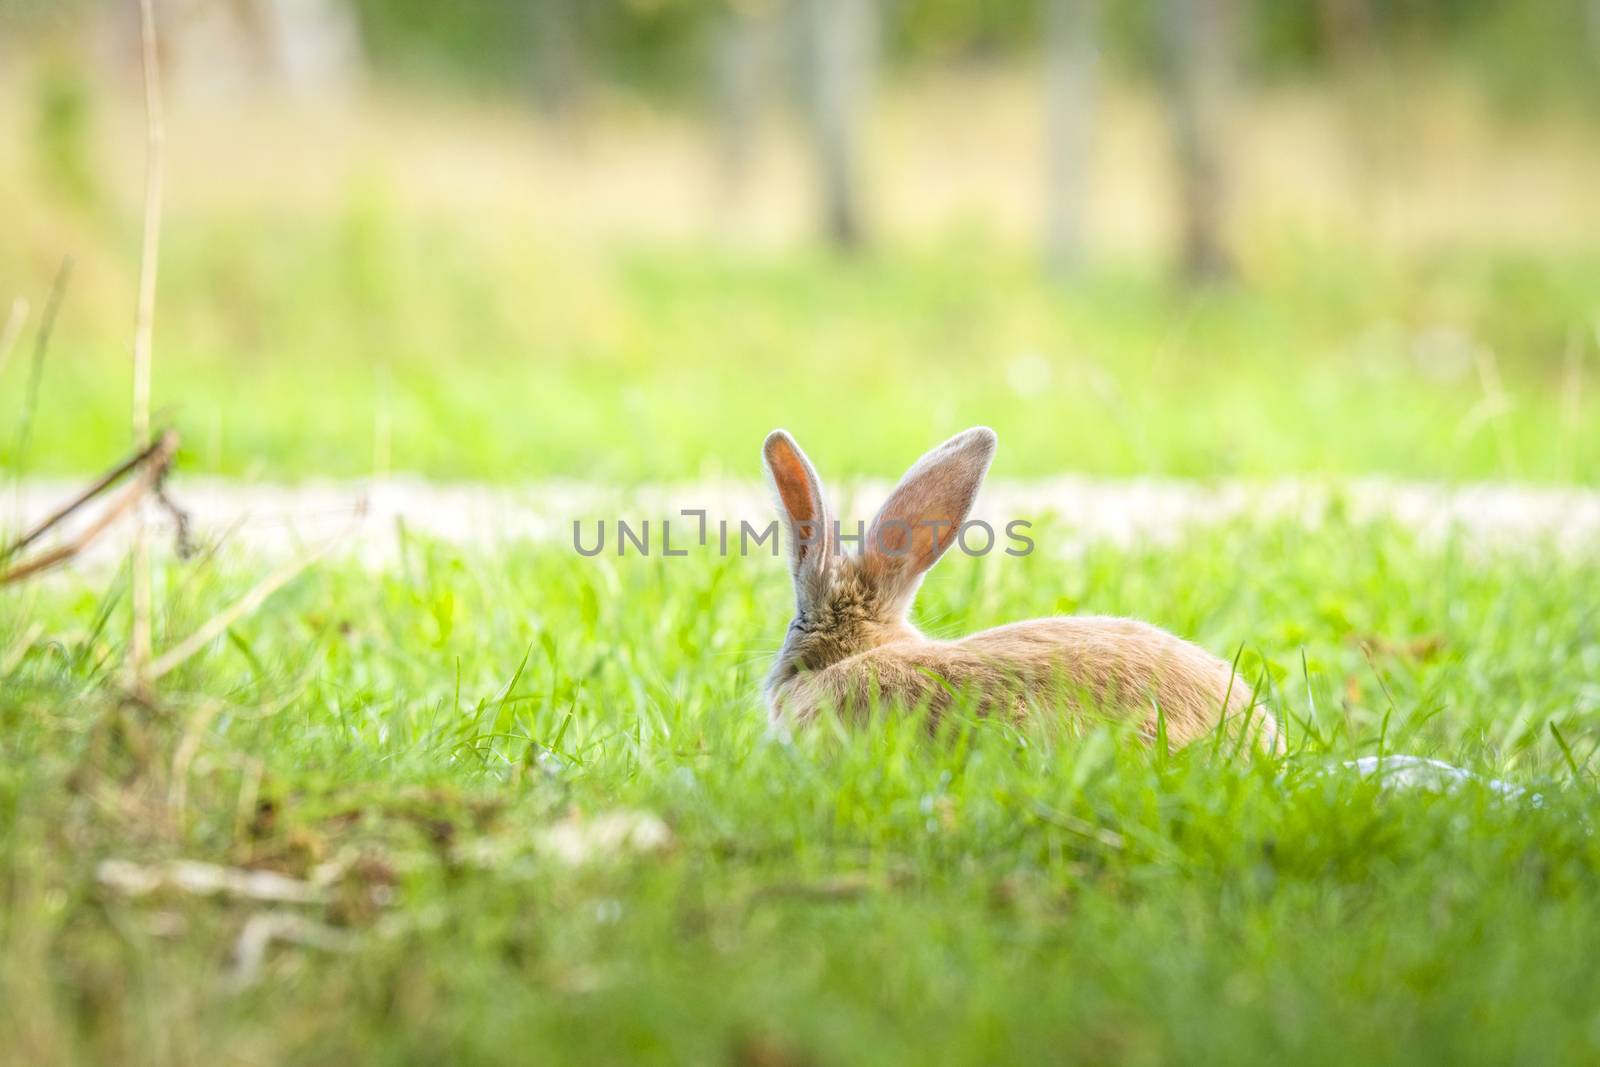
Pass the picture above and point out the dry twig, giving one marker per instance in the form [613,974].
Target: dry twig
[155,462]
[104,482]
[195,878]
[144,323]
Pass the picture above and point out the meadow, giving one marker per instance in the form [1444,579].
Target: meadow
[524,805]
[456,292]
[672,365]
[409,740]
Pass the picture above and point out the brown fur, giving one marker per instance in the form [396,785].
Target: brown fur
[850,648]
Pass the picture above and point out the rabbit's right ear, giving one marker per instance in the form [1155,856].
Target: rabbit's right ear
[923,516]
[807,521]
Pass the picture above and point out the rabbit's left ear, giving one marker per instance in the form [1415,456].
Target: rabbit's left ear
[812,538]
[923,516]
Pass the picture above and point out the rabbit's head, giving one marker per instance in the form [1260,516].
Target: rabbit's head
[849,601]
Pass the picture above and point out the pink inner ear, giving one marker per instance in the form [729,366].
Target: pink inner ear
[793,486]
[894,537]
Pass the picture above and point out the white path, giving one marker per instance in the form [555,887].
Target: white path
[274,521]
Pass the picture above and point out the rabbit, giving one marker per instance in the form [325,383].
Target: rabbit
[850,647]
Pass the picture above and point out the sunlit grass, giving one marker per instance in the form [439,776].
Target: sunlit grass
[380,345]
[992,895]
[412,284]
[411,732]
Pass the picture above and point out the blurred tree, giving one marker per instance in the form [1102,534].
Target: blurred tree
[658,46]
[309,47]
[739,48]
[557,68]
[1199,35]
[840,44]
[1071,43]
[1346,25]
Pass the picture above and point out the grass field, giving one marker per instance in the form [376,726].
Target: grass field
[452,292]
[527,802]
[327,356]
[991,895]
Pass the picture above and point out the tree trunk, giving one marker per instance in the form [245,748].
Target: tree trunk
[310,48]
[1071,58]
[840,40]
[1199,38]
[738,50]
[313,47]
[557,59]
[1346,26]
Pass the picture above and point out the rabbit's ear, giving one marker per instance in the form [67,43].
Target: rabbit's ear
[808,523]
[923,516]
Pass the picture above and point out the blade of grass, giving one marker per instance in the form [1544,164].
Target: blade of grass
[15,320]
[1227,699]
[41,349]
[257,595]
[1566,750]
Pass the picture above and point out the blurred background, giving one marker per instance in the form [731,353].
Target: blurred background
[622,239]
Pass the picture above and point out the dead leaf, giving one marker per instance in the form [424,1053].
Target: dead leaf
[577,840]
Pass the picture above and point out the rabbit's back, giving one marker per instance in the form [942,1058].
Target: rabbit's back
[1123,667]
[1086,665]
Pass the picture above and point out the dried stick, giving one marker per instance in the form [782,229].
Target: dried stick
[144,323]
[105,481]
[206,880]
[218,624]
[154,468]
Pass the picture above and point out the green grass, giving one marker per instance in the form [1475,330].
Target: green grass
[292,345]
[991,896]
